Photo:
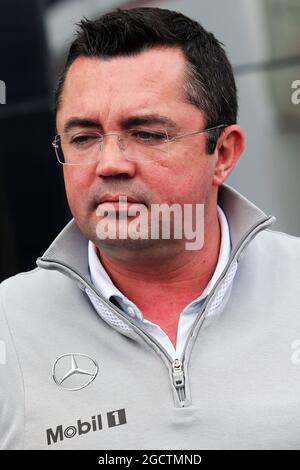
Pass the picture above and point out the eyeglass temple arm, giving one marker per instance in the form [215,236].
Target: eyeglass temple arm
[198,132]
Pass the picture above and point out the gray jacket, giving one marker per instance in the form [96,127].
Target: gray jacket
[71,378]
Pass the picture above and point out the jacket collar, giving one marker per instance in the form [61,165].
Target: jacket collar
[242,215]
[69,251]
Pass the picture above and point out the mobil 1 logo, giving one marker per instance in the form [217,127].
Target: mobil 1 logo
[96,423]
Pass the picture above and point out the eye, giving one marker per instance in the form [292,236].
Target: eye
[84,139]
[149,137]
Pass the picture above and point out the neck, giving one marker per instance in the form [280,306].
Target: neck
[176,272]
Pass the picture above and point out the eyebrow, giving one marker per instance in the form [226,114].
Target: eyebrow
[79,122]
[126,123]
[148,119]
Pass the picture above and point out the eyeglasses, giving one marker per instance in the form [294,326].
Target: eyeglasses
[144,145]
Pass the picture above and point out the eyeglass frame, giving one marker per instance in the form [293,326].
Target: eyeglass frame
[169,139]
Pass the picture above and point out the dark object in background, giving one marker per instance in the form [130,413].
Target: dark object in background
[24,59]
[33,187]
[32,202]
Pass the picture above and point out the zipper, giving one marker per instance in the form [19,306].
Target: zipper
[177,365]
[178,381]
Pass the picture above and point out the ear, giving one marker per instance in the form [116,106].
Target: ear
[229,147]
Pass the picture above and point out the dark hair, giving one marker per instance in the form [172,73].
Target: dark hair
[209,82]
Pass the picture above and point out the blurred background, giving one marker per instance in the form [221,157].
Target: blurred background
[262,39]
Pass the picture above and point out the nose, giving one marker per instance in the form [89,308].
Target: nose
[112,161]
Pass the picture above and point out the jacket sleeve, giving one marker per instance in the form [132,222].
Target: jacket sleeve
[11,386]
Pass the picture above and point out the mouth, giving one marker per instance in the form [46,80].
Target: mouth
[117,198]
[119,203]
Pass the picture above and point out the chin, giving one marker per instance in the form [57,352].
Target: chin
[128,245]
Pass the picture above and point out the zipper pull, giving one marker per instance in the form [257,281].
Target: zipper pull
[178,376]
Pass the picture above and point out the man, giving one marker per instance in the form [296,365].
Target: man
[122,340]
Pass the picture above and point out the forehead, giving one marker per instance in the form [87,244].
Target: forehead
[104,88]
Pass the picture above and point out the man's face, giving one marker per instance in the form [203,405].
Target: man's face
[110,92]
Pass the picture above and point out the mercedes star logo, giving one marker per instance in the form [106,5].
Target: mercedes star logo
[74,371]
